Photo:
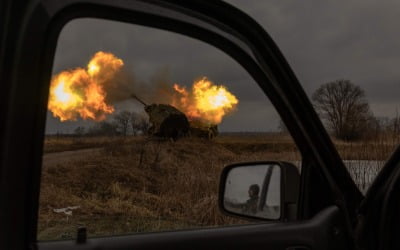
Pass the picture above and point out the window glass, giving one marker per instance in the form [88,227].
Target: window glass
[140,124]
[346,56]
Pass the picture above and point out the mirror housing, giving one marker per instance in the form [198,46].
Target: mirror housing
[265,190]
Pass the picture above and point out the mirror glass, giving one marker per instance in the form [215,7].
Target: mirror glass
[254,190]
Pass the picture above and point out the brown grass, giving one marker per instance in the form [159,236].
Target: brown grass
[133,184]
[367,157]
[378,149]
[54,144]
[140,185]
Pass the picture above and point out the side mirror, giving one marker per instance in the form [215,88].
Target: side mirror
[260,190]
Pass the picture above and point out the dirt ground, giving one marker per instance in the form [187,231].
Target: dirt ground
[128,185]
[121,185]
[65,157]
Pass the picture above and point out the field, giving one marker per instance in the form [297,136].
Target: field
[120,185]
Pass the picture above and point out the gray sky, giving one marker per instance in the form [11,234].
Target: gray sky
[322,40]
[328,40]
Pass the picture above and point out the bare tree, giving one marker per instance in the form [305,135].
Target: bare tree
[134,122]
[144,124]
[344,107]
[395,124]
[139,122]
[122,119]
[79,131]
[103,128]
[282,127]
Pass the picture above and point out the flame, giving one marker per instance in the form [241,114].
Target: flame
[80,93]
[206,102]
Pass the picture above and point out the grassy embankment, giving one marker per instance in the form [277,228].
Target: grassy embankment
[135,185]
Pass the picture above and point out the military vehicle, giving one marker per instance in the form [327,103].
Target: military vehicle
[203,130]
[166,120]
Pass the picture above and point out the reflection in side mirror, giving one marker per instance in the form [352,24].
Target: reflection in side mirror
[260,190]
[254,191]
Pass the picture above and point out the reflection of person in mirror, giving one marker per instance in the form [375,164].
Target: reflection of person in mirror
[251,204]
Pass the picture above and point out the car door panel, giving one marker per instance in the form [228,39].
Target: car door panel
[378,216]
[324,231]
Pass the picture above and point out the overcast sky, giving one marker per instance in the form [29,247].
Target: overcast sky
[322,40]
[327,40]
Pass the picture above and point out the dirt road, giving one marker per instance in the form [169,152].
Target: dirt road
[52,159]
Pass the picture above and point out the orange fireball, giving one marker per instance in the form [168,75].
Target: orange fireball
[206,102]
[80,92]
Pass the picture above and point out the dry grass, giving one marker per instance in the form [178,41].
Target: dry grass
[378,149]
[140,185]
[132,184]
[366,158]
[54,144]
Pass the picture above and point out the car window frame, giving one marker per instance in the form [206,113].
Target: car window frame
[44,20]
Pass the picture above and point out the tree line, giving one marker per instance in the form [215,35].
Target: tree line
[344,109]
[341,105]
[122,124]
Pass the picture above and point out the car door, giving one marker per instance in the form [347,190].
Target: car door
[378,213]
[328,199]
